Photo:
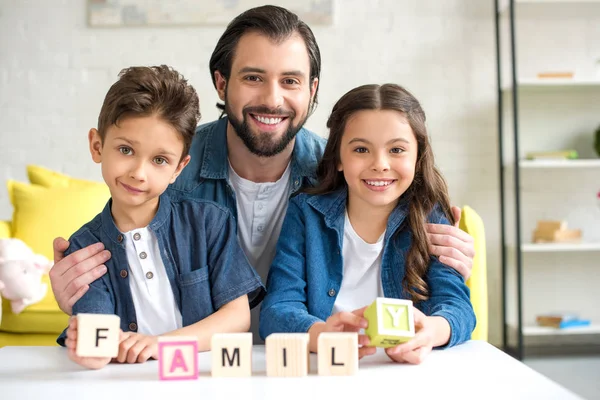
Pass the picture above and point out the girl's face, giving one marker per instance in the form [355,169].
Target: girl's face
[378,153]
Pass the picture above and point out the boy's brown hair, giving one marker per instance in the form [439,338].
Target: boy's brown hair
[145,91]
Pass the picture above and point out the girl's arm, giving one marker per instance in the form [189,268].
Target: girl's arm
[284,307]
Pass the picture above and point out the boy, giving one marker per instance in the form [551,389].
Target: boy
[176,266]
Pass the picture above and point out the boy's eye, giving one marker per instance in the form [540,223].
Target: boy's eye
[361,150]
[125,150]
[397,150]
[160,161]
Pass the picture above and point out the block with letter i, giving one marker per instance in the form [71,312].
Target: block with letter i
[231,354]
[177,358]
[391,322]
[337,353]
[287,354]
[97,335]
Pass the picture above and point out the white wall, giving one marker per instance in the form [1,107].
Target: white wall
[55,70]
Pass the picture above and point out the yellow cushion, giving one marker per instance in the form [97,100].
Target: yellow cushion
[24,339]
[42,317]
[41,214]
[45,177]
[4,229]
[472,223]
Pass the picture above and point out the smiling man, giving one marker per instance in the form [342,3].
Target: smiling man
[265,68]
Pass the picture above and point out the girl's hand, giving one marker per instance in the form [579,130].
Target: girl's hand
[350,322]
[418,348]
[71,344]
[137,348]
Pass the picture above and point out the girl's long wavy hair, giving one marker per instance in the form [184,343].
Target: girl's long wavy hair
[427,189]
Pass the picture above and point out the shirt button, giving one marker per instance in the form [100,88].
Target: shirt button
[124,273]
[296,182]
[143,255]
[331,292]
[260,206]
[149,275]
[133,326]
[136,236]
[120,238]
[260,228]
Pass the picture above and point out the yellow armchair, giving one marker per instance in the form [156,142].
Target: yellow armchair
[51,205]
[472,223]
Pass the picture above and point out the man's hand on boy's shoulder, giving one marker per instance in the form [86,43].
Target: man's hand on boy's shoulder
[453,246]
[71,276]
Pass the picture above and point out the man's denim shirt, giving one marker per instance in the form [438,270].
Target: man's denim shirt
[306,273]
[207,174]
[205,265]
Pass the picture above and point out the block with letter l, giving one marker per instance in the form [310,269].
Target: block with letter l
[177,358]
[391,322]
[231,354]
[337,353]
[287,354]
[97,335]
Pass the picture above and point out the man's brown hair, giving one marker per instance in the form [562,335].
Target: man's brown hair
[145,91]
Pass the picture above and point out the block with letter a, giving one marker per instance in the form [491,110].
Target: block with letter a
[337,353]
[177,358]
[287,354]
[231,354]
[391,322]
[98,335]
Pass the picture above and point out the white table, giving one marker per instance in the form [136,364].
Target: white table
[474,370]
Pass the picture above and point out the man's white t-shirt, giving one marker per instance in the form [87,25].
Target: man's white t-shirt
[361,279]
[261,209]
[155,307]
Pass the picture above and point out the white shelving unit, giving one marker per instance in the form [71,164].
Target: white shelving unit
[548,114]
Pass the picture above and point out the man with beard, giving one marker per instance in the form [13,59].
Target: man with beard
[265,68]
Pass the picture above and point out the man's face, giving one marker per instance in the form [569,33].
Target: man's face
[269,92]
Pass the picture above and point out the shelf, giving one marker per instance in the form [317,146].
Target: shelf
[547,331]
[534,83]
[579,163]
[504,4]
[558,247]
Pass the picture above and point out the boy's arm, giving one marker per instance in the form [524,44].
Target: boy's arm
[284,308]
[232,317]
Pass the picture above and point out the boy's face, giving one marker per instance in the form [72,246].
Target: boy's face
[140,157]
[268,94]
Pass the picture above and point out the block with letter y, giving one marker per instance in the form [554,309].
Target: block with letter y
[391,322]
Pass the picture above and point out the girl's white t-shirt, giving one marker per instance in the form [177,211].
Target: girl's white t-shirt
[361,279]
[153,298]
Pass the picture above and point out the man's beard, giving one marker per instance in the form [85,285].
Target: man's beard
[263,144]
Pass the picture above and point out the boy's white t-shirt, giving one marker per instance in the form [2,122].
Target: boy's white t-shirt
[153,298]
[361,279]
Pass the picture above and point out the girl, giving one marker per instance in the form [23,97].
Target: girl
[361,233]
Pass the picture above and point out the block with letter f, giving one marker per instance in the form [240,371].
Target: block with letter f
[391,322]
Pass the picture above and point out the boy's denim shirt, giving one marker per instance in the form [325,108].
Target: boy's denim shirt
[198,245]
[306,273]
[207,174]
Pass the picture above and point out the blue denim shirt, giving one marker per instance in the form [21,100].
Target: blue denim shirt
[306,273]
[204,262]
[207,174]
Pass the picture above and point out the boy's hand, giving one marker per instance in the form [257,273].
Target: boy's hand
[418,348]
[71,344]
[137,348]
[350,322]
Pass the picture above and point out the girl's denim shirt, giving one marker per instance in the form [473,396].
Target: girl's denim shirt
[198,244]
[306,273]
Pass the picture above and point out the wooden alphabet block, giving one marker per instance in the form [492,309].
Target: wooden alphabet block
[391,322]
[177,358]
[97,335]
[337,353]
[287,354]
[232,354]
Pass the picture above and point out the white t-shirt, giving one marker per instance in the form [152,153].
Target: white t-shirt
[261,210]
[361,279]
[153,298]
